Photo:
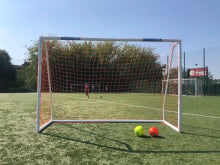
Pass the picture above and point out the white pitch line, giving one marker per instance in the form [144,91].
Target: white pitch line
[132,105]
[160,109]
[201,115]
[214,117]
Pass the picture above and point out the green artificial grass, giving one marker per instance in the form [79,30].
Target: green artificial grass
[107,143]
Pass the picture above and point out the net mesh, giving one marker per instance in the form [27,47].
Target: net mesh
[123,79]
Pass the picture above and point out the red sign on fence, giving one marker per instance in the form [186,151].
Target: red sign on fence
[198,72]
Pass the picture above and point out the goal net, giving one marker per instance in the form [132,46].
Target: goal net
[81,87]
[121,76]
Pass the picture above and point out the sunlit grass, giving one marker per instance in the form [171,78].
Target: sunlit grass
[98,143]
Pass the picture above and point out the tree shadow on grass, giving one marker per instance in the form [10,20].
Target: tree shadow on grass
[127,148]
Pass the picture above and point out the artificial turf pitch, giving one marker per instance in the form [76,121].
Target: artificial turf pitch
[108,143]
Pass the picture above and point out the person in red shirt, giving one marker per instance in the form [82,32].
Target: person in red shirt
[87,90]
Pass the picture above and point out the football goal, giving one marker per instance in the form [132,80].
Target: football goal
[121,76]
[190,86]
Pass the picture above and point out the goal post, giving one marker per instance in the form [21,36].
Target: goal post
[123,77]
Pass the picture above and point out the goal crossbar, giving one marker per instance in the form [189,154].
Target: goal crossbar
[112,39]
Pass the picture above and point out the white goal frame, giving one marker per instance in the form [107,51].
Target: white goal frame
[176,44]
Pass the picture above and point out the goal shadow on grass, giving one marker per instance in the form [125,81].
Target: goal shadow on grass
[199,133]
[127,148]
[148,137]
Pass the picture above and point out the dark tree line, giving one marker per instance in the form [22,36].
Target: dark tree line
[18,78]
[118,67]
[7,72]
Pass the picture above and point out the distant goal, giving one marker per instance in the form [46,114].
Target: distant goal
[190,86]
[123,77]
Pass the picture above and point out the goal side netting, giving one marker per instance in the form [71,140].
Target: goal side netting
[109,80]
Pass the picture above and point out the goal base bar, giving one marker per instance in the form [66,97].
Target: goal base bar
[44,126]
[106,121]
[171,126]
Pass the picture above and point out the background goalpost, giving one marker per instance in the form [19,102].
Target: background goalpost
[190,86]
[127,73]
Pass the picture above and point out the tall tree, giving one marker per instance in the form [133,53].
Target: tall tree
[7,71]
[30,70]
